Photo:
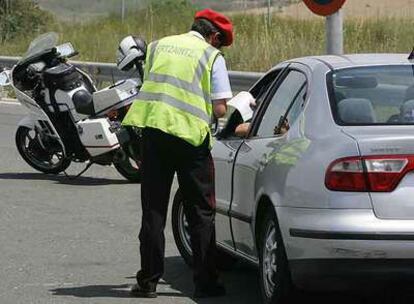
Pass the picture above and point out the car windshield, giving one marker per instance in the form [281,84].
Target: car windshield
[376,95]
[41,43]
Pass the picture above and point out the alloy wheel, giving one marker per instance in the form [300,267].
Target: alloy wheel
[269,265]
[184,230]
[30,145]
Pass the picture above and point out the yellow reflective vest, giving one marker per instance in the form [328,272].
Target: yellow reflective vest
[175,95]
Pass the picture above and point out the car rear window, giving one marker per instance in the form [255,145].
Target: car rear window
[375,95]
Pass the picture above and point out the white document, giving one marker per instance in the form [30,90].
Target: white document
[242,102]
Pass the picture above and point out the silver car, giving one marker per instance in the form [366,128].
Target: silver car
[321,191]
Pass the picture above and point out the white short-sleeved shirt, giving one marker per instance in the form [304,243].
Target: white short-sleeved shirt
[220,82]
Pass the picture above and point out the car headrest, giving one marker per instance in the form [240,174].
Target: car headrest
[407,111]
[356,110]
[409,93]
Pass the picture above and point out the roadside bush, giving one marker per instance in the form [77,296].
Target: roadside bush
[21,17]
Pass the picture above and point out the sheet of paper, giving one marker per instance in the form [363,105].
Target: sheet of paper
[242,102]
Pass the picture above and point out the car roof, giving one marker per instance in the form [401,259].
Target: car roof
[352,60]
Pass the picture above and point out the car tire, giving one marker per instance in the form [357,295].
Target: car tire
[275,279]
[224,260]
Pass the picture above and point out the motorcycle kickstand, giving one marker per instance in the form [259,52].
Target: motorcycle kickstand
[82,172]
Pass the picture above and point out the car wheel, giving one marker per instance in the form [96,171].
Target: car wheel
[181,233]
[275,281]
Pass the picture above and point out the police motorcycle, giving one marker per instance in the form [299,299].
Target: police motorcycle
[69,120]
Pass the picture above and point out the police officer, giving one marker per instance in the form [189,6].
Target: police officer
[185,84]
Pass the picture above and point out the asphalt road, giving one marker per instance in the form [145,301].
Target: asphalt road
[75,241]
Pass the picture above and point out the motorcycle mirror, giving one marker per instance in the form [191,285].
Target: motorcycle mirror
[4,78]
[66,50]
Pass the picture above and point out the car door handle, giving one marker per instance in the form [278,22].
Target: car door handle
[262,163]
[231,158]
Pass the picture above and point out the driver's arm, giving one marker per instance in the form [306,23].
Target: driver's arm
[234,120]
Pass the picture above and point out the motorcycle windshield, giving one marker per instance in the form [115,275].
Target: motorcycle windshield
[40,44]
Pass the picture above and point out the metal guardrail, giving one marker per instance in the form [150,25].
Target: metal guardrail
[107,72]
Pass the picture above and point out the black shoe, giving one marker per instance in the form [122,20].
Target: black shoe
[140,292]
[207,291]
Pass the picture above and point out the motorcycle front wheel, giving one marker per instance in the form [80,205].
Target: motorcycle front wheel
[130,169]
[46,157]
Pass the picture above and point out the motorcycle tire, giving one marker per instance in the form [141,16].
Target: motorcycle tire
[30,149]
[129,170]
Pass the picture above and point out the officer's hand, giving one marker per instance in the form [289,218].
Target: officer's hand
[219,107]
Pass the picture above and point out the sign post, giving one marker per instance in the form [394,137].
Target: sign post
[123,11]
[334,34]
[334,22]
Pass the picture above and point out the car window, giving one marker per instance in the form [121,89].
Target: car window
[293,112]
[291,89]
[259,91]
[373,95]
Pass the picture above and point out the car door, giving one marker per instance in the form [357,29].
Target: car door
[224,152]
[281,108]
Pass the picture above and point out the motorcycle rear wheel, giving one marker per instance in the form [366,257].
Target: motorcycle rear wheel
[31,150]
[129,169]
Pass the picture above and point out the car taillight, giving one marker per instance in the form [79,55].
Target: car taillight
[346,174]
[379,173]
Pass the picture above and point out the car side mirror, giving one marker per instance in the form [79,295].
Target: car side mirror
[5,78]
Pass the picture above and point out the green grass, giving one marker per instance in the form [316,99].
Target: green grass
[258,45]
[85,10]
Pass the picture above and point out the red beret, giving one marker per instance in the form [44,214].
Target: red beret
[222,22]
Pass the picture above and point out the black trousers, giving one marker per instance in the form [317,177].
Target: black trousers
[163,156]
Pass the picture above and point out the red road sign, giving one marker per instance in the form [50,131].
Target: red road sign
[324,7]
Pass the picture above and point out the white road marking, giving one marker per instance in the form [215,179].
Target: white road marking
[10,102]
[56,284]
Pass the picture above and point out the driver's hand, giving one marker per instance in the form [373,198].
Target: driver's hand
[243,129]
